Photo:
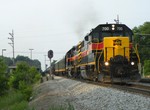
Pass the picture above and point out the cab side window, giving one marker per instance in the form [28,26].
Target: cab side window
[95,37]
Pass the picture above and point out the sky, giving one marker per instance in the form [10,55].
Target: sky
[57,25]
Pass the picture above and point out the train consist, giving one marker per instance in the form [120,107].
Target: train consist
[107,53]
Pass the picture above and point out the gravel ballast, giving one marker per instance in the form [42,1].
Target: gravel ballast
[84,96]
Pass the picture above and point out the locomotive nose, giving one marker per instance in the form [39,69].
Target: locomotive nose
[114,46]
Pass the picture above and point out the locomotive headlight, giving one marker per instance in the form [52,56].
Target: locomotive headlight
[132,63]
[113,28]
[106,63]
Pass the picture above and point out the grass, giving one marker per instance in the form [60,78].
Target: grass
[13,101]
[61,107]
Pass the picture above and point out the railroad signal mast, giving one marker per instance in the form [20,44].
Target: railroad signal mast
[50,56]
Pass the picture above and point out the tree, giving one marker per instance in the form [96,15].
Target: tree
[8,61]
[142,38]
[24,73]
[23,78]
[147,67]
[3,78]
[35,63]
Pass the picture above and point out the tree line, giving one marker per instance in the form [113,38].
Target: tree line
[142,39]
[16,86]
[9,62]
[20,78]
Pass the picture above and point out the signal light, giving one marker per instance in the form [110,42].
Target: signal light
[50,54]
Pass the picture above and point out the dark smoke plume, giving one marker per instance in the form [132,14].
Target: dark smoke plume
[84,18]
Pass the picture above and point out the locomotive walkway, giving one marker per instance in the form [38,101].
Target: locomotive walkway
[84,96]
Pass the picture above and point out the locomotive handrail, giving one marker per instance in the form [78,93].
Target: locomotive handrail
[137,53]
[114,51]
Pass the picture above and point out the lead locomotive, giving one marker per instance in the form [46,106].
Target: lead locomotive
[107,53]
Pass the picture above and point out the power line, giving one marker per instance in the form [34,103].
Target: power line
[39,52]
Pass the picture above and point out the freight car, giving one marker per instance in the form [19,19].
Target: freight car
[107,53]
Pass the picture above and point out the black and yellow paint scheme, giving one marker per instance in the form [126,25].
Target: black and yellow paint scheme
[116,46]
[106,53]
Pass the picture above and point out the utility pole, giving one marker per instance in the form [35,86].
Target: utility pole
[12,44]
[45,61]
[31,53]
[2,51]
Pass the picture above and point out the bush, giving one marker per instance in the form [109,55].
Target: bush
[3,78]
[35,75]
[61,107]
[23,78]
[25,89]
[147,67]
[13,101]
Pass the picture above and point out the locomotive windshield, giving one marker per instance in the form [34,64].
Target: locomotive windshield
[115,33]
[116,30]
[109,30]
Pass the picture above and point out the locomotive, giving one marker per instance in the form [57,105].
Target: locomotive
[105,54]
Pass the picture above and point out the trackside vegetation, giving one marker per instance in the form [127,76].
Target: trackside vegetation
[60,107]
[142,39]
[16,86]
[14,101]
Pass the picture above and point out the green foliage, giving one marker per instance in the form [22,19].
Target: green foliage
[61,107]
[7,61]
[35,63]
[23,78]
[142,38]
[3,67]
[147,67]
[25,89]
[145,28]
[19,106]
[34,74]
[13,101]
[3,78]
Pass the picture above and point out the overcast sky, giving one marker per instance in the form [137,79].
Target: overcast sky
[59,24]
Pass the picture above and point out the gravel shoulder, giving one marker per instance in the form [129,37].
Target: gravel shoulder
[83,96]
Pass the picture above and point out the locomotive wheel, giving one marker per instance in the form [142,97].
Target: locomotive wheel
[95,79]
[112,81]
[101,77]
[136,77]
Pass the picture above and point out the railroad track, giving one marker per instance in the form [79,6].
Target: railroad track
[142,88]
[133,87]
